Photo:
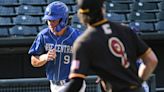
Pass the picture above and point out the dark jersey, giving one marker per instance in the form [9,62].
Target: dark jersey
[109,50]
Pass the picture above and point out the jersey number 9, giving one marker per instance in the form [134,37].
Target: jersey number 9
[67,59]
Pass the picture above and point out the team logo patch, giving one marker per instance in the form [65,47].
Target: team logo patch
[75,65]
[117,49]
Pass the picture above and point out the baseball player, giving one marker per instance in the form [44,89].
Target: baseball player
[53,46]
[110,50]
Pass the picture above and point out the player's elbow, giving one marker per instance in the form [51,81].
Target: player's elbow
[154,62]
[35,62]
[151,60]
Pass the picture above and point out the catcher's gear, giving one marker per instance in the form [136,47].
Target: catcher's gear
[57,10]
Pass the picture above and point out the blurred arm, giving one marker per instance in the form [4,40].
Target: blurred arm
[150,62]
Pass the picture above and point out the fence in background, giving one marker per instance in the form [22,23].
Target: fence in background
[42,85]
[24,85]
[39,85]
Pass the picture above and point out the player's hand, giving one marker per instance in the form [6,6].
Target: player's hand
[51,55]
[98,80]
[102,83]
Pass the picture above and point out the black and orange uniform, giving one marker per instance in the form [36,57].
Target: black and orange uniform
[110,50]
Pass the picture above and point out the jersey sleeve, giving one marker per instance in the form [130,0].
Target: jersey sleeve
[141,46]
[37,47]
[80,62]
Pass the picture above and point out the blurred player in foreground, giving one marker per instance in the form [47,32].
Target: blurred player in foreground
[110,50]
[53,46]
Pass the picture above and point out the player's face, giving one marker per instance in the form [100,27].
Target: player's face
[52,24]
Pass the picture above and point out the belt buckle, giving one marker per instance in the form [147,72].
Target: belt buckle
[62,82]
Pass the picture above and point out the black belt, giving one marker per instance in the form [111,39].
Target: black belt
[61,82]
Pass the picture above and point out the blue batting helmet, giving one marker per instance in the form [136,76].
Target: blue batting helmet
[57,10]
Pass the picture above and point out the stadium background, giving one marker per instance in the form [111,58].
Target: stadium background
[20,21]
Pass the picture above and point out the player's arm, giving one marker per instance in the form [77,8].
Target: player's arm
[38,61]
[147,55]
[150,62]
[75,85]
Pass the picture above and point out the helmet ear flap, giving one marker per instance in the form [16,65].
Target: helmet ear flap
[64,21]
[67,21]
